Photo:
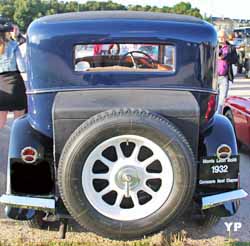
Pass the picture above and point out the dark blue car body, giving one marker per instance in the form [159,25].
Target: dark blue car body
[50,68]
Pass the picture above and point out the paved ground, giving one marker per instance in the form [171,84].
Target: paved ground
[4,142]
[240,87]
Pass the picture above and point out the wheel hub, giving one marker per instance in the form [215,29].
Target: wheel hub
[128,176]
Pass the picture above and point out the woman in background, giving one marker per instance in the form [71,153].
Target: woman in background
[12,89]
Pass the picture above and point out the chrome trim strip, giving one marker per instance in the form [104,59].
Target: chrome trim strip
[44,204]
[42,91]
[215,200]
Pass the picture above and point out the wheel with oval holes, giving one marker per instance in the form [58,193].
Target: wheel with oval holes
[126,173]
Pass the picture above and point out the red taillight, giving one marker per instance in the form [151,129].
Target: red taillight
[29,155]
[28,152]
[210,107]
[29,159]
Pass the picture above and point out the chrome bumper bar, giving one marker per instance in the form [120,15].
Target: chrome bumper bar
[215,200]
[43,204]
[46,204]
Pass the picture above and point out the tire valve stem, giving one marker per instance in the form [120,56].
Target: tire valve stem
[127,179]
[127,195]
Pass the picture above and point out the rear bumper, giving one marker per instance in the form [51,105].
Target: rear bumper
[216,200]
[25,202]
[49,205]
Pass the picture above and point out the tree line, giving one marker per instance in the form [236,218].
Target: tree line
[23,12]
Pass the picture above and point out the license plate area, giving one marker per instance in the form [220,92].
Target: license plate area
[218,173]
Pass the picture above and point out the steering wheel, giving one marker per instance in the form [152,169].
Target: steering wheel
[135,65]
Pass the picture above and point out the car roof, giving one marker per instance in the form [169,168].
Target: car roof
[138,15]
[52,40]
[121,26]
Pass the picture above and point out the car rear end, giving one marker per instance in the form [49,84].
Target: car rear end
[75,147]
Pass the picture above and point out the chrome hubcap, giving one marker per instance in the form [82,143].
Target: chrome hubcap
[127,177]
[128,180]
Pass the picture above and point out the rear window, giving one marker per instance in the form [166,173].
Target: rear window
[124,57]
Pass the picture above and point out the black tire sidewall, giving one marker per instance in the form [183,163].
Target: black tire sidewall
[85,140]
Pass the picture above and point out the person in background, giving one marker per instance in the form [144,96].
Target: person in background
[232,58]
[222,69]
[97,49]
[21,40]
[12,88]
[16,35]
[104,49]
[231,38]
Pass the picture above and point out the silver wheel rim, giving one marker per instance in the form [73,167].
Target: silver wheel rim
[127,177]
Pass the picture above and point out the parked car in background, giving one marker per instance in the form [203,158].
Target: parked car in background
[239,44]
[242,31]
[237,110]
[242,45]
[121,132]
[247,57]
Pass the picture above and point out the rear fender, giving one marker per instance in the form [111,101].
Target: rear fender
[24,135]
[218,132]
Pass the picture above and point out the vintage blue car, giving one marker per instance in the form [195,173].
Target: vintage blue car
[121,132]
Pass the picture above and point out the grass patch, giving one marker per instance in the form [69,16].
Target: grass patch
[69,243]
[238,244]
[157,240]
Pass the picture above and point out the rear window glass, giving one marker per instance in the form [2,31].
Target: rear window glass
[124,57]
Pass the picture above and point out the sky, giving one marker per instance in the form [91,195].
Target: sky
[239,9]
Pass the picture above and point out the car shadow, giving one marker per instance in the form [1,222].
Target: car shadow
[186,225]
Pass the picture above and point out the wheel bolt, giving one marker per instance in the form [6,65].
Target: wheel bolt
[127,178]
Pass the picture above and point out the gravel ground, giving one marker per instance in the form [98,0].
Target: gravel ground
[11,230]
[15,233]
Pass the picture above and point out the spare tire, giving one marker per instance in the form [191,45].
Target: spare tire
[126,173]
